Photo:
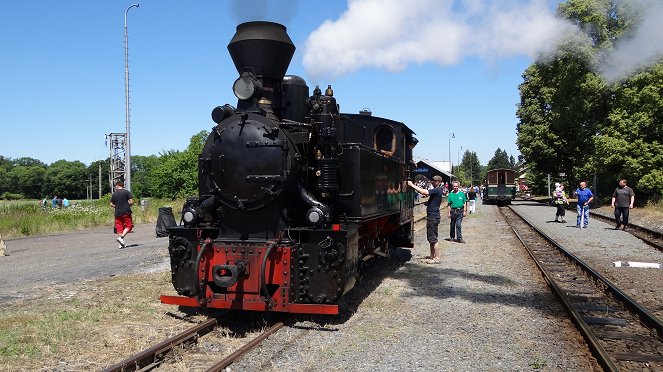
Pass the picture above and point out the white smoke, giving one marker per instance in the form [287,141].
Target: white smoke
[642,47]
[391,34]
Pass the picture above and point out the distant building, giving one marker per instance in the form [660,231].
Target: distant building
[445,166]
[429,170]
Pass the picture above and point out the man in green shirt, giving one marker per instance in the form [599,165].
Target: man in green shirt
[457,208]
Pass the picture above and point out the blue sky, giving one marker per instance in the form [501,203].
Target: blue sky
[439,66]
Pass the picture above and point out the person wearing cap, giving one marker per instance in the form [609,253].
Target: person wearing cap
[432,216]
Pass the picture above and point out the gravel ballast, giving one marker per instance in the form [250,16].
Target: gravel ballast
[599,245]
[485,307]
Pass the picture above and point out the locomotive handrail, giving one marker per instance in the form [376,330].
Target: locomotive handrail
[263,280]
[201,296]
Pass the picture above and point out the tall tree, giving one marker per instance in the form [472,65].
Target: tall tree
[499,160]
[27,162]
[471,168]
[141,167]
[27,180]
[573,122]
[66,179]
[176,175]
[630,144]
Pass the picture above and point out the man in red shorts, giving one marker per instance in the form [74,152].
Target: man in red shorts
[122,200]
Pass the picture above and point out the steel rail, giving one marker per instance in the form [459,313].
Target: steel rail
[652,237]
[645,316]
[602,355]
[230,359]
[149,357]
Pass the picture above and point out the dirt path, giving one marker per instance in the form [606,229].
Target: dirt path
[34,263]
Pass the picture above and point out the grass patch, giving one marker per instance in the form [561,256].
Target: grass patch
[539,363]
[27,218]
[91,327]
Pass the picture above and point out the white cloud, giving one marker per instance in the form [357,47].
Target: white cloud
[391,34]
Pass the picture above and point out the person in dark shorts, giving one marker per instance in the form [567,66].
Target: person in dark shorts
[624,196]
[432,216]
[122,200]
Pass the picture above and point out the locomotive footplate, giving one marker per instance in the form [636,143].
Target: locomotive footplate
[241,276]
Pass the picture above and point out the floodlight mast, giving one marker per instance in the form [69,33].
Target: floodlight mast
[127,154]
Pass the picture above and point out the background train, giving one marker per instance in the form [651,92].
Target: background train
[294,196]
[501,186]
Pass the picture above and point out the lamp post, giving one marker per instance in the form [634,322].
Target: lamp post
[451,135]
[471,160]
[459,150]
[127,153]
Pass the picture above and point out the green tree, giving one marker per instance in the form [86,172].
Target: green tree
[141,167]
[572,121]
[27,180]
[500,160]
[27,162]
[630,144]
[66,179]
[470,169]
[176,174]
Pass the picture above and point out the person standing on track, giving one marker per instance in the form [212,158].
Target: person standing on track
[585,196]
[432,216]
[457,209]
[122,200]
[624,196]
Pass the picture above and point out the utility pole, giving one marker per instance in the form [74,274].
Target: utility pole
[99,180]
[127,154]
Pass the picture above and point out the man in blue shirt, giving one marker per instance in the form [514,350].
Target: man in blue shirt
[585,197]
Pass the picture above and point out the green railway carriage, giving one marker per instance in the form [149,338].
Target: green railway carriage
[500,186]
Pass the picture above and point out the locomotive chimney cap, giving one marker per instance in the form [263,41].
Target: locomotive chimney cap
[264,47]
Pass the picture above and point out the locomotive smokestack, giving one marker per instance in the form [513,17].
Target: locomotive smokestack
[263,46]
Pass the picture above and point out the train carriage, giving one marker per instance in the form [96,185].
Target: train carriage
[500,186]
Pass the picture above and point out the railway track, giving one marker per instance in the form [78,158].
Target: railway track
[154,356]
[622,334]
[652,237]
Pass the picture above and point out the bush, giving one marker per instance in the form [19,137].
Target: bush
[9,196]
[651,184]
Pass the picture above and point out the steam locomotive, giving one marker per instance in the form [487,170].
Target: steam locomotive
[294,196]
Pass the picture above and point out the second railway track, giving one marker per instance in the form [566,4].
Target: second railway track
[623,334]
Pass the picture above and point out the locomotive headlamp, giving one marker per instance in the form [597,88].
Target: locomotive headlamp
[314,215]
[245,87]
[190,216]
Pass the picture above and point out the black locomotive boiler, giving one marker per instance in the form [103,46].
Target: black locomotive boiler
[294,196]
